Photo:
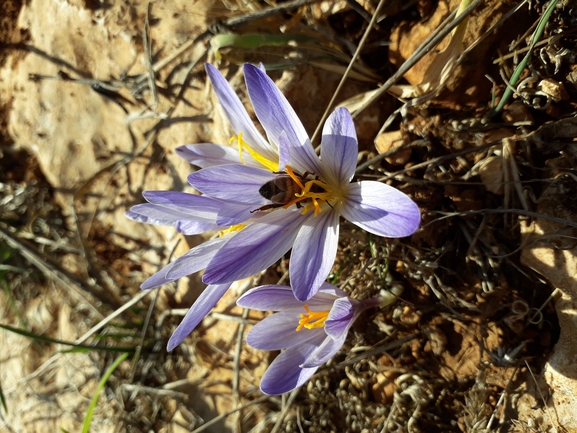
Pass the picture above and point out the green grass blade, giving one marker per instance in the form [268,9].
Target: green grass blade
[37,337]
[521,66]
[94,401]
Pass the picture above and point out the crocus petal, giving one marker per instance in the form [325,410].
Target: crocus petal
[339,148]
[205,302]
[189,213]
[329,292]
[324,352]
[284,374]
[271,297]
[342,315]
[162,216]
[278,332]
[234,213]
[206,155]
[151,215]
[237,115]
[235,183]
[255,247]
[275,113]
[158,279]
[280,298]
[195,259]
[381,209]
[194,205]
[314,253]
[283,151]
[302,158]
[190,228]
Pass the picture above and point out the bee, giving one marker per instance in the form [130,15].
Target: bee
[282,190]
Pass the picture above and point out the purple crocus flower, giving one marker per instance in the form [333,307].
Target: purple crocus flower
[309,224]
[231,181]
[309,334]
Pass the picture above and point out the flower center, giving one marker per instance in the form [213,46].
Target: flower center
[312,319]
[271,165]
[231,229]
[314,190]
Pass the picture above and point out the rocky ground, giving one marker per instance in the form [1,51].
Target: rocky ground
[95,96]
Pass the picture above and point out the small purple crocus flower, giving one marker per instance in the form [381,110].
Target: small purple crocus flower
[308,333]
[326,192]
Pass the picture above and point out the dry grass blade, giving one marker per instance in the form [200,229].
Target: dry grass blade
[224,415]
[347,71]
[52,269]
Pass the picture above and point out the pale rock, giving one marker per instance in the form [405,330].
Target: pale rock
[546,253]
[390,141]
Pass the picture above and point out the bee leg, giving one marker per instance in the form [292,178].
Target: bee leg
[266,207]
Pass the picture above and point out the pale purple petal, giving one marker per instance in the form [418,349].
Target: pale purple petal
[195,259]
[150,214]
[255,247]
[278,332]
[279,298]
[314,253]
[237,114]
[201,307]
[283,151]
[381,209]
[236,183]
[158,279]
[271,297]
[189,213]
[275,113]
[342,315]
[339,148]
[160,215]
[190,228]
[284,374]
[206,155]
[197,206]
[234,213]
[324,352]
[301,158]
[329,292]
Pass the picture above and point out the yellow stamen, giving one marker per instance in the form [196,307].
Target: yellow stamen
[231,229]
[313,319]
[294,177]
[271,165]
